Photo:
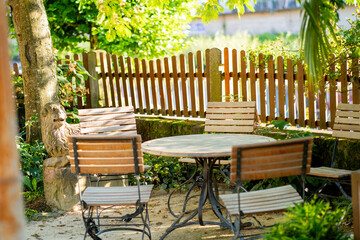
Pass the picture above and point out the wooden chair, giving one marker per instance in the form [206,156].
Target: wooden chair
[107,120]
[355,192]
[95,156]
[261,161]
[228,117]
[346,125]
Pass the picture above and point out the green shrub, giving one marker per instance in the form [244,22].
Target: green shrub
[31,160]
[166,172]
[311,220]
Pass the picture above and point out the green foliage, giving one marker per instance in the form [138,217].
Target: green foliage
[279,126]
[31,162]
[270,45]
[311,220]
[211,9]
[71,78]
[166,172]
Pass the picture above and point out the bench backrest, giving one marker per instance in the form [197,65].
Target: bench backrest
[271,160]
[94,154]
[107,120]
[236,117]
[347,121]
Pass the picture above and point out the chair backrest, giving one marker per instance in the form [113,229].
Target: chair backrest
[347,121]
[95,154]
[271,160]
[235,117]
[107,120]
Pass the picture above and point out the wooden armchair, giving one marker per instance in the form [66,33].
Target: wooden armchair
[261,161]
[95,156]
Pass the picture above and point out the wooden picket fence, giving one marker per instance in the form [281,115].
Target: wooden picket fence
[182,85]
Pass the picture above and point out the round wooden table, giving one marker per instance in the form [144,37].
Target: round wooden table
[206,149]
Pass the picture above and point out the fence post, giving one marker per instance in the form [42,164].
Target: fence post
[215,75]
[93,82]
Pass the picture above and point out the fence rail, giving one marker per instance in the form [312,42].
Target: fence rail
[182,85]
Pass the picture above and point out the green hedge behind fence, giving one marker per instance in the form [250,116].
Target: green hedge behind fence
[348,155]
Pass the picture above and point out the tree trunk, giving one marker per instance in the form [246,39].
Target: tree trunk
[37,59]
[11,204]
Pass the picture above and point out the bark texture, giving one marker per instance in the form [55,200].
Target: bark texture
[37,59]
[11,204]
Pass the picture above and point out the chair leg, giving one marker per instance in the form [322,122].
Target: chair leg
[90,225]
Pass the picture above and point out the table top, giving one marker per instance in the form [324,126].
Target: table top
[200,145]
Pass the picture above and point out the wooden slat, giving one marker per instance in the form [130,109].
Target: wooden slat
[207,73]
[200,83]
[92,111]
[344,83]
[271,74]
[111,79]
[99,196]
[108,129]
[138,85]
[230,122]
[243,76]
[281,87]
[108,145]
[355,128]
[311,102]
[350,135]
[146,87]
[225,110]
[355,80]
[192,84]
[253,78]
[176,86]
[153,87]
[183,85]
[301,87]
[322,104]
[230,116]
[250,104]
[161,86]
[291,90]
[115,60]
[110,122]
[227,74]
[103,76]
[168,87]
[131,82]
[349,107]
[267,200]
[333,88]
[329,172]
[235,75]
[229,129]
[123,78]
[262,88]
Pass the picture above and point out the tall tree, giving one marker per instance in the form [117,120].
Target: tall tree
[37,59]
[131,27]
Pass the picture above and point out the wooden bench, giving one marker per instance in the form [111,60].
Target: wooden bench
[95,156]
[261,161]
[346,125]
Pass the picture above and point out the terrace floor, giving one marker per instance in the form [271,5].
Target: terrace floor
[70,225]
